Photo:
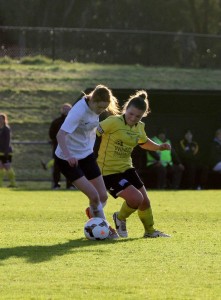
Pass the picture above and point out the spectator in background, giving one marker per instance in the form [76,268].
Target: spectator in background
[215,153]
[53,130]
[165,166]
[188,151]
[6,152]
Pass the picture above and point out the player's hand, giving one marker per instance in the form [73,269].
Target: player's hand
[72,161]
[165,146]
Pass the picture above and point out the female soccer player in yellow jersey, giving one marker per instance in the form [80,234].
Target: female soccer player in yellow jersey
[120,134]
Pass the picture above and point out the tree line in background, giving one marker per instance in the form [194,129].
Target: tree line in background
[194,16]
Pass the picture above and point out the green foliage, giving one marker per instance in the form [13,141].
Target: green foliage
[35,60]
[196,16]
[44,254]
[6,60]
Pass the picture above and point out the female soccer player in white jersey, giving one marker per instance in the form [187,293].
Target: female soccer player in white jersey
[120,134]
[74,153]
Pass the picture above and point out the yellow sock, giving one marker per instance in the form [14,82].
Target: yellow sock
[11,176]
[50,164]
[2,172]
[125,211]
[146,217]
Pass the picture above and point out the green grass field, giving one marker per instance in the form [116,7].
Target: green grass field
[44,254]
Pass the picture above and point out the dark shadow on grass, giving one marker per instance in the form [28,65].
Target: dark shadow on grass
[37,254]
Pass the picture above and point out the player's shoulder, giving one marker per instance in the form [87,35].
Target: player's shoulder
[111,123]
[7,128]
[80,103]
[80,107]
[141,123]
[57,120]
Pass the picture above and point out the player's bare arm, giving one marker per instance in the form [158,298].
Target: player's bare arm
[62,143]
[152,146]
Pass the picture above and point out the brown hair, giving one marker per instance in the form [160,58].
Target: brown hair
[5,118]
[102,93]
[138,100]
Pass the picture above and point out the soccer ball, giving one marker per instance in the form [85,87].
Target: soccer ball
[96,229]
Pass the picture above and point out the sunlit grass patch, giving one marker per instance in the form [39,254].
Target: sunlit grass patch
[44,254]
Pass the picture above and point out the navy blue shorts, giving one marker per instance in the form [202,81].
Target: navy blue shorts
[115,183]
[87,167]
[5,159]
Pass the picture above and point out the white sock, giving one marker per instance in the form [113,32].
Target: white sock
[97,212]
[104,203]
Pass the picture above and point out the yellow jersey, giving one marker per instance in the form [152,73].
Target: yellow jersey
[118,141]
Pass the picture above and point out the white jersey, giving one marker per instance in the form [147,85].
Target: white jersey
[80,124]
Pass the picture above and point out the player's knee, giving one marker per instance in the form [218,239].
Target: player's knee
[103,198]
[94,199]
[135,200]
[140,198]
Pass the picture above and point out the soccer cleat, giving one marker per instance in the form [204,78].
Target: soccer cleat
[71,188]
[112,234]
[56,187]
[156,234]
[88,213]
[120,226]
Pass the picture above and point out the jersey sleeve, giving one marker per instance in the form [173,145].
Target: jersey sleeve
[73,118]
[143,136]
[105,126]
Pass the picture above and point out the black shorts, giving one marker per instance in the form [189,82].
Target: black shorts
[5,159]
[87,167]
[115,183]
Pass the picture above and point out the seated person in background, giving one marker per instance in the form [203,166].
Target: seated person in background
[215,152]
[165,166]
[188,151]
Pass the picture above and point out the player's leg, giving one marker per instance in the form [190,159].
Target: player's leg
[76,176]
[56,175]
[145,212]
[11,177]
[2,173]
[50,164]
[86,168]
[99,185]
[84,185]
[92,172]
[132,200]
[119,185]
[10,171]
[146,217]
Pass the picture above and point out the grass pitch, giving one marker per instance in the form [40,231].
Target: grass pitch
[44,254]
